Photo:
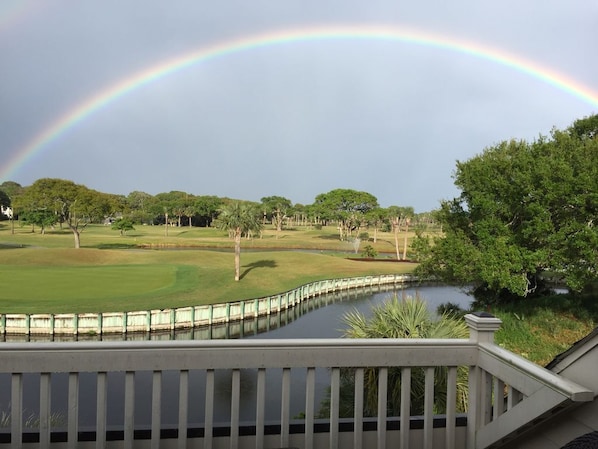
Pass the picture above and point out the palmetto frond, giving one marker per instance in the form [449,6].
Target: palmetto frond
[407,317]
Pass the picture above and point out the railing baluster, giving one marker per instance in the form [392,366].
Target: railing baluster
[499,398]
[285,405]
[209,410]
[234,409]
[260,408]
[451,406]
[183,408]
[16,411]
[129,424]
[44,409]
[101,397]
[358,414]
[473,409]
[335,376]
[156,409]
[486,398]
[382,399]
[73,411]
[405,406]
[310,383]
[429,408]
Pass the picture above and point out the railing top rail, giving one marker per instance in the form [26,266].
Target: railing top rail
[226,354]
[573,391]
[231,343]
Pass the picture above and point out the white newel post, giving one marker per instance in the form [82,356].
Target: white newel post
[482,326]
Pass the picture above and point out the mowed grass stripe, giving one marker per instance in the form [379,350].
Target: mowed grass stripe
[67,289]
[83,283]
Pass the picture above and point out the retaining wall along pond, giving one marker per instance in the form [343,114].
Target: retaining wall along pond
[182,317]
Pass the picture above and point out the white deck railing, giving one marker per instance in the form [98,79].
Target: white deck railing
[247,393]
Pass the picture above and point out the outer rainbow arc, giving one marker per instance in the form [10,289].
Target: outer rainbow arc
[360,32]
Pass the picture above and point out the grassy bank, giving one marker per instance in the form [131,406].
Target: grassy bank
[540,328]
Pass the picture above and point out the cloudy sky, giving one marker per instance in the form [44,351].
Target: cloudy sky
[248,99]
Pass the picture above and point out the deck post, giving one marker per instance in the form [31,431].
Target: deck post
[482,326]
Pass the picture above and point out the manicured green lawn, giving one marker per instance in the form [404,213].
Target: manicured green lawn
[43,273]
[44,280]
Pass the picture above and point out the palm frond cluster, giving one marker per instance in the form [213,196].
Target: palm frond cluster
[402,317]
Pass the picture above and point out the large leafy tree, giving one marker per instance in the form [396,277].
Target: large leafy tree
[139,204]
[524,209]
[72,205]
[239,219]
[206,209]
[345,206]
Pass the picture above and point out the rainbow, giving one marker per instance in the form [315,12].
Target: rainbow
[356,32]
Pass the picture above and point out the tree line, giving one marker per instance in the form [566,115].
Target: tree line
[50,202]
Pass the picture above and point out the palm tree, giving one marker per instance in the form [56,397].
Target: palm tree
[238,219]
[408,317]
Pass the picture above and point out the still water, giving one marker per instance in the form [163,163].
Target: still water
[318,318]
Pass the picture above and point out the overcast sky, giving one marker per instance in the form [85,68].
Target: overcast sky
[390,117]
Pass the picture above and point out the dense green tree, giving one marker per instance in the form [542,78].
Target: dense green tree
[276,209]
[176,204]
[12,189]
[4,203]
[524,209]
[118,205]
[139,204]
[166,207]
[73,205]
[239,219]
[345,206]
[123,225]
[206,209]
[43,218]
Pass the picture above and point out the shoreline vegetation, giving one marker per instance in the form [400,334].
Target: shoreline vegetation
[43,273]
